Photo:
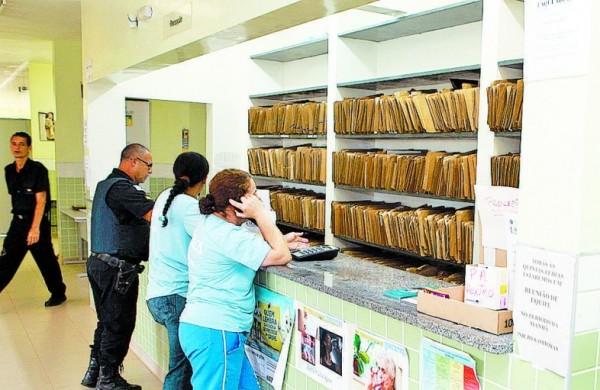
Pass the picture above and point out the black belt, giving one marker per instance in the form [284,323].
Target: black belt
[110,260]
[23,216]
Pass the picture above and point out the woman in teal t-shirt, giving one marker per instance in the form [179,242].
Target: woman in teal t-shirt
[175,217]
[223,258]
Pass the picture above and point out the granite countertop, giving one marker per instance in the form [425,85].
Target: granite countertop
[363,282]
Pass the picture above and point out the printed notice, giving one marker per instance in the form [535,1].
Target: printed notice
[543,303]
[323,350]
[446,368]
[378,363]
[269,341]
[557,41]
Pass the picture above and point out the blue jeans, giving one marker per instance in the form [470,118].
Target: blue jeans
[218,358]
[166,311]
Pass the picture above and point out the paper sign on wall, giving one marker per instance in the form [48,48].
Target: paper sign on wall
[378,363]
[443,367]
[557,39]
[544,299]
[323,349]
[511,255]
[493,205]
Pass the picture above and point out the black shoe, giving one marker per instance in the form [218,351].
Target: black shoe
[55,300]
[90,378]
[110,379]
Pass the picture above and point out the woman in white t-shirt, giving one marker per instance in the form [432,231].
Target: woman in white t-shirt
[175,217]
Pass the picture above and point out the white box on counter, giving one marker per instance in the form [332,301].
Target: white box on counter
[486,286]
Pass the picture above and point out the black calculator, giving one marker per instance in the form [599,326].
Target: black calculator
[318,252]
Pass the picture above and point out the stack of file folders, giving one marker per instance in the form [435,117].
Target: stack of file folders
[299,207]
[406,264]
[417,171]
[505,105]
[301,163]
[505,170]
[437,232]
[289,118]
[409,112]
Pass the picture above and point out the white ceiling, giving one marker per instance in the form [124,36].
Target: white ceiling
[41,19]
[27,29]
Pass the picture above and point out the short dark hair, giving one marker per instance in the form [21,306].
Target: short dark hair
[22,134]
[132,151]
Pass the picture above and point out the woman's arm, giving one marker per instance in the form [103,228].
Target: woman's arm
[252,207]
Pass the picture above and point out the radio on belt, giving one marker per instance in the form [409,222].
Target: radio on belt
[318,252]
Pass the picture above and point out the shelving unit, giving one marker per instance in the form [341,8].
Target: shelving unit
[461,135]
[318,91]
[425,259]
[421,50]
[300,227]
[290,136]
[412,194]
[508,134]
[415,80]
[310,48]
[436,19]
[513,64]
[281,179]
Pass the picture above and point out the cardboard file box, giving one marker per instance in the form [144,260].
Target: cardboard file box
[456,310]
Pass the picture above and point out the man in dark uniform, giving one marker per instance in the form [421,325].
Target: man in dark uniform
[120,231]
[29,188]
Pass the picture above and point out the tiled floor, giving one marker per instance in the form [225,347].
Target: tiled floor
[44,348]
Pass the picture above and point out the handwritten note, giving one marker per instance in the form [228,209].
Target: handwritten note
[487,286]
[493,205]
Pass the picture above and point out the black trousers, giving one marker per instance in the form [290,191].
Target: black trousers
[116,313]
[15,248]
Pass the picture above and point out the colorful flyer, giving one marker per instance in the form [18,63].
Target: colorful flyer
[323,349]
[378,364]
[269,340]
[445,368]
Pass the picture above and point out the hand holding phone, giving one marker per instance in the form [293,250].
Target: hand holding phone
[249,206]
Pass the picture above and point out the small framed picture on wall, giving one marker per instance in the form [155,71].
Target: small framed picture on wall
[46,125]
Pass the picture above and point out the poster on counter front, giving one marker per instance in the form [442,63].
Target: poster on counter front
[323,348]
[378,364]
[446,368]
[268,344]
[544,299]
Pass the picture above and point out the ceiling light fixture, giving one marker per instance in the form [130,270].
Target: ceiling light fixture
[142,14]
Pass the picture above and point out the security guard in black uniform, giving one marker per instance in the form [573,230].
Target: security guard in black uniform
[120,231]
[29,188]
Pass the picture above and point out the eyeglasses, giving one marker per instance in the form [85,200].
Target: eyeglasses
[148,164]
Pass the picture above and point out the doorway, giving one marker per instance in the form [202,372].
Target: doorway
[167,128]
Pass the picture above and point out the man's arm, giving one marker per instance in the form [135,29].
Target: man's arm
[148,215]
[34,231]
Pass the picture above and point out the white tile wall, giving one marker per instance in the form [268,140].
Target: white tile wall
[588,278]
[587,314]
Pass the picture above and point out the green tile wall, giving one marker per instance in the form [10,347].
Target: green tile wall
[158,184]
[496,372]
[71,192]
[148,335]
